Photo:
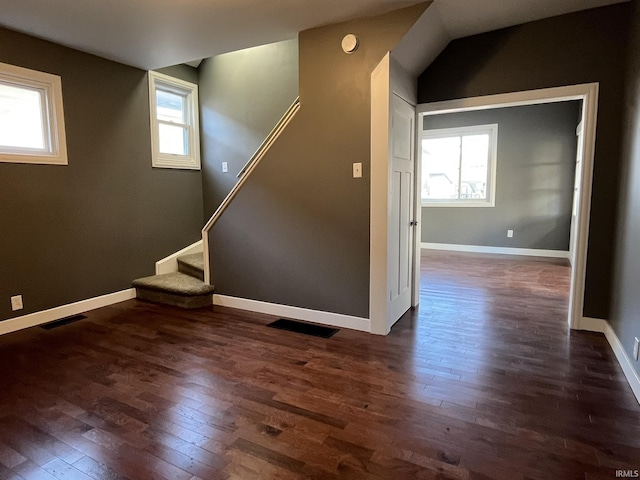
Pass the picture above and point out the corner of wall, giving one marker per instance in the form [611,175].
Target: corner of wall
[602,326]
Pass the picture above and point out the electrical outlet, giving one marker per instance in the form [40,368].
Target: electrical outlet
[16,303]
[636,349]
[509,233]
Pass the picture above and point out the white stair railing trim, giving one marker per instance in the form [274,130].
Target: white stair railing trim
[243,175]
[274,131]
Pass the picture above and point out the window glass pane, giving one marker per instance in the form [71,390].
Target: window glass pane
[170,106]
[475,166]
[440,167]
[21,117]
[173,139]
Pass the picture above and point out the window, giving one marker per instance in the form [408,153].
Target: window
[31,117]
[174,122]
[459,166]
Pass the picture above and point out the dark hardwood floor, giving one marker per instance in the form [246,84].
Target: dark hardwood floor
[483,381]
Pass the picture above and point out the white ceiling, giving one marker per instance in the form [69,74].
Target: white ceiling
[155,33]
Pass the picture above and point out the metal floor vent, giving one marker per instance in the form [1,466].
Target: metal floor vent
[62,322]
[304,328]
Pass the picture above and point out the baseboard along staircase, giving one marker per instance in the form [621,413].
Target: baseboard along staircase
[184,288]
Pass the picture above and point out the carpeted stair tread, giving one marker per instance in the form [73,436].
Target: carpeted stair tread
[192,264]
[195,260]
[175,283]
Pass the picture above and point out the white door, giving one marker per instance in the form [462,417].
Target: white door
[401,218]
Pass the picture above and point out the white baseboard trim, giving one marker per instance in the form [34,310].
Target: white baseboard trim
[602,326]
[624,360]
[530,252]
[170,264]
[593,324]
[46,316]
[298,313]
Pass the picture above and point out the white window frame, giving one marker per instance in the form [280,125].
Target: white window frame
[490,201]
[52,114]
[189,91]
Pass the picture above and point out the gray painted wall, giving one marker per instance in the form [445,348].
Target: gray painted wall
[536,159]
[625,318]
[74,232]
[298,233]
[242,96]
[588,46]
[183,72]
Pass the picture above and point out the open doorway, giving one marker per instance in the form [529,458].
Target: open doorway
[479,193]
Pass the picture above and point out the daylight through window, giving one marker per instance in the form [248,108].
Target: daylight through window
[174,122]
[458,166]
[31,117]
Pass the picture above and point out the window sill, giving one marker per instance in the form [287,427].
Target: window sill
[34,159]
[459,204]
[176,163]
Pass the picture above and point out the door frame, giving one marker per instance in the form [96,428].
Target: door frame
[588,93]
[387,79]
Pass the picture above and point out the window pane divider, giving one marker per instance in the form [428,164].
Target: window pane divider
[174,124]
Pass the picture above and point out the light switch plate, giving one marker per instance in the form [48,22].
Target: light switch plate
[225,167]
[16,303]
[509,233]
[357,170]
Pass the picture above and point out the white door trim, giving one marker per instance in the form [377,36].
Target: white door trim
[385,81]
[379,210]
[588,93]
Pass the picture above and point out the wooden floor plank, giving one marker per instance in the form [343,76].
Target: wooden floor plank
[483,381]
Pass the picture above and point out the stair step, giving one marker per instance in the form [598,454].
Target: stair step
[192,264]
[178,289]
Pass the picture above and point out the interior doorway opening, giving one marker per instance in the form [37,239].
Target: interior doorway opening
[580,184]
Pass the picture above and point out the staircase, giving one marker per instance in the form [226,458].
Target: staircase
[184,288]
[189,286]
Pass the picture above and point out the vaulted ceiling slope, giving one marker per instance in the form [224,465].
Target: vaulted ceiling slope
[446,20]
[151,34]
